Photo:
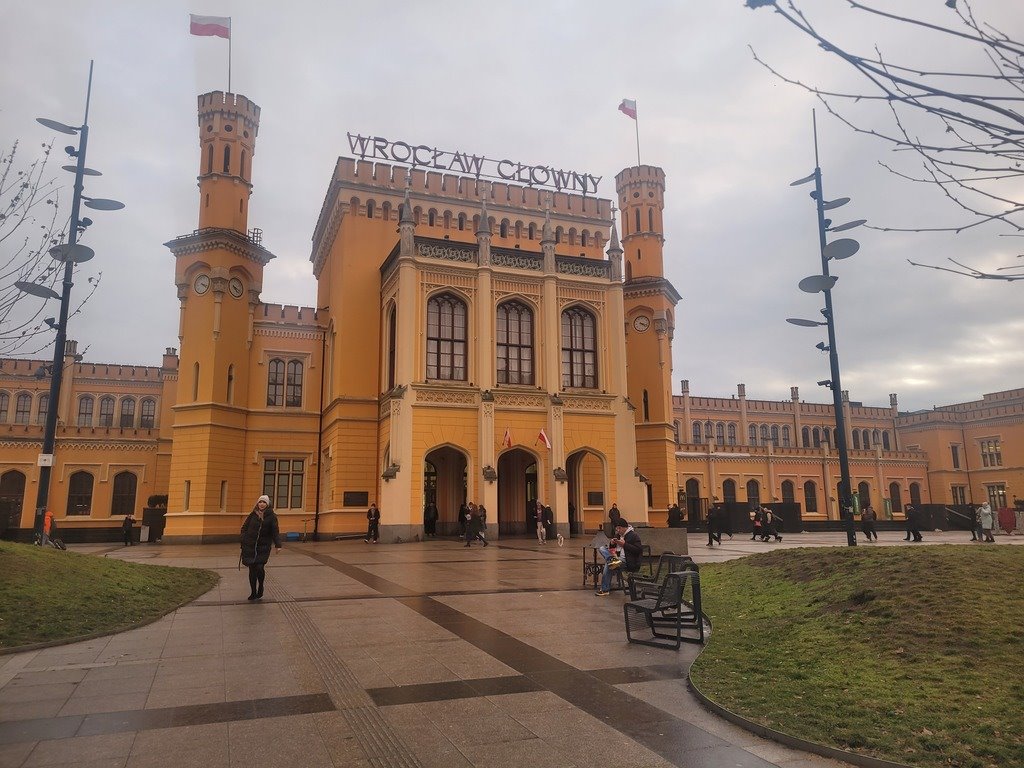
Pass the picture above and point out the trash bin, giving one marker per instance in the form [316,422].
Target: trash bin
[144,533]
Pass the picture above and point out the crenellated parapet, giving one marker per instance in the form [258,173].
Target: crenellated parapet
[289,314]
[218,109]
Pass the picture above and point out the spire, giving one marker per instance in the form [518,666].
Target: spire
[484,227]
[407,217]
[614,247]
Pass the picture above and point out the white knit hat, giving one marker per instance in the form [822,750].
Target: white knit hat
[263,498]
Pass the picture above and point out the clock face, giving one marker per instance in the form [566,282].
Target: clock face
[202,284]
[236,287]
[642,323]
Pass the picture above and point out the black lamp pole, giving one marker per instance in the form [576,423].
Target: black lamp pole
[845,492]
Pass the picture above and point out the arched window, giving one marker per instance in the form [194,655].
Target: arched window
[107,411]
[127,420]
[729,491]
[531,231]
[514,343]
[79,493]
[856,439]
[864,494]
[5,404]
[579,349]
[462,221]
[876,437]
[392,346]
[765,435]
[636,211]
[752,434]
[293,389]
[446,337]
[123,500]
[22,408]
[432,218]
[810,497]
[865,439]
[209,159]
[585,238]
[826,436]
[12,495]
[894,497]
[915,494]
[753,493]
[650,219]
[885,440]
[719,433]
[647,407]
[775,435]
[85,404]
[195,382]
[805,437]
[709,431]
[788,492]
[385,211]
[227,158]
[148,416]
[43,409]
[732,434]
[503,229]
[369,209]
[817,437]
[696,432]
[241,170]
[558,235]
[785,437]
[275,382]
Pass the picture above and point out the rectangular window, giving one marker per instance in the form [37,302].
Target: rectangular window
[355,499]
[959,494]
[44,408]
[107,412]
[85,412]
[991,453]
[996,493]
[22,408]
[223,495]
[955,451]
[283,482]
[188,492]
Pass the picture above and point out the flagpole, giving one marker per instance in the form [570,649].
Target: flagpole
[636,121]
[229,54]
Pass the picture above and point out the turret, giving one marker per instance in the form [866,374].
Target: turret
[228,124]
[641,191]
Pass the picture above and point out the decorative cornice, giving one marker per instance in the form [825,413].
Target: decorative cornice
[216,238]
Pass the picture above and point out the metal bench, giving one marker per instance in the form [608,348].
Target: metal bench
[669,619]
[641,587]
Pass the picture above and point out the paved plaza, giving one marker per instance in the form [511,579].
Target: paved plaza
[422,654]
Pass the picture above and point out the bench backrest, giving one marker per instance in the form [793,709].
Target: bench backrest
[671,593]
[670,563]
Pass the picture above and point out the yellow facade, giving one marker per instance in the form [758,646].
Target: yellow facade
[457,324]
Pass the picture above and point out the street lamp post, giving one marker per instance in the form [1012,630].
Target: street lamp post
[71,253]
[823,283]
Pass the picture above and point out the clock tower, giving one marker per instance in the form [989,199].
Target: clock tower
[649,301]
[219,277]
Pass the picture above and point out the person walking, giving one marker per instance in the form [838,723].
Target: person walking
[913,524]
[126,528]
[714,534]
[986,518]
[867,522]
[675,516]
[613,516]
[771,525]
[430,519]
[975,524]
[757,521]
[538,519]
[259,531]
[908,522]
[372,523]
[629,541]
[474,526]
[463,517]
[47,528]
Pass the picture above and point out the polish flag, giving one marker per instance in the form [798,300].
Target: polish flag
[628,107]
[506,442]
[210,26]
[542,436]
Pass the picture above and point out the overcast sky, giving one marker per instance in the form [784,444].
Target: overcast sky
[536,81]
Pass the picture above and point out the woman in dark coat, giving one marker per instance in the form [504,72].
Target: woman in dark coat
[259,531]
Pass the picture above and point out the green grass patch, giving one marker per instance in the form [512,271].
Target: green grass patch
[909,654]
[47,595]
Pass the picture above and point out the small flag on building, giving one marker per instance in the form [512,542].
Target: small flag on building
[210,26]
[542,436]
[506,441]
[628,107]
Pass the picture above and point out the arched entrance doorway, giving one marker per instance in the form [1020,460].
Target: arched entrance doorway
[12,494]
[693,510]
[444,483]
[517,490]
[586,472]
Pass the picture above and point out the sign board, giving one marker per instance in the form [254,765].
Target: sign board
[432,158]
[45,460]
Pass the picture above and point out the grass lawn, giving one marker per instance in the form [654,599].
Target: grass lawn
[48,595]
[914,654]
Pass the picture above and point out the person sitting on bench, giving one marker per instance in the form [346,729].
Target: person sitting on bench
[629,541]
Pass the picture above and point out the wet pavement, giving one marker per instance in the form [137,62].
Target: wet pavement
[421,654]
